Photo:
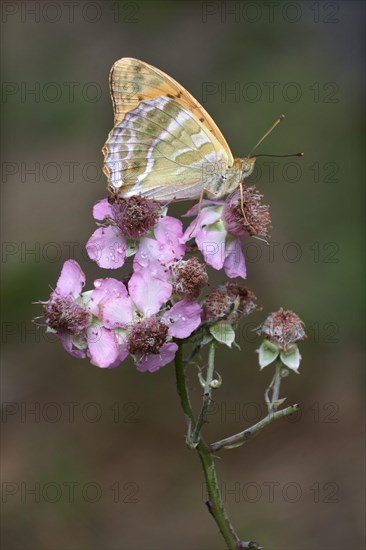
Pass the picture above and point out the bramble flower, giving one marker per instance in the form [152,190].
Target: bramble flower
[220,226]
[144,329]
[67,314]
[155,255]
[282,329]
[125,221]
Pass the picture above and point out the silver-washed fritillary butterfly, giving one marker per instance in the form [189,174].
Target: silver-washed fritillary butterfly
[164,145]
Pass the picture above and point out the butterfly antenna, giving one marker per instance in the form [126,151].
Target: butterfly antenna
[281,117]
[283,156]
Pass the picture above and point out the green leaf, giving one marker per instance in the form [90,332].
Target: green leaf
[291,358]
[223,332]
[268,352]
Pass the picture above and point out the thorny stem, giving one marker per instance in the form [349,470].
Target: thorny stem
[241,437]
[206,395]
[214,502]
[273,403]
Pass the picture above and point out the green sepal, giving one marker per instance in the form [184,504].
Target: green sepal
[223,332]
[291,358]
[268,352]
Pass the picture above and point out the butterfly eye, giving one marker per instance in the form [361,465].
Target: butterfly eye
[248,166]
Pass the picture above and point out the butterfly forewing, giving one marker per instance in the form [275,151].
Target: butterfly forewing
[133,81]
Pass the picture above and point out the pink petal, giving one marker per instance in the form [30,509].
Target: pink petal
[107,247]
[123,351]
[194,210]
[149,293]
[211,243]
[183,318]
[103,350]
[153,362]
[66,340]
[102,210]
[234,265]
[150,256]
[71,280]
[104,289]
[206,217]
[169,232]
[116,312]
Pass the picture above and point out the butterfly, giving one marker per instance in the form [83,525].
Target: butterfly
[164,145]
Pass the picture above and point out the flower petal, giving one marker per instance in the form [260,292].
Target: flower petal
[150,256]
[105,289]
[207,216]
[102,210]
[234,264]
[169,232]
[149,293]
[71,280]
[183,318]
[103,350]
[205,203]
[211,242]
[107,247]
[116,312]
[66,340]
[153,362]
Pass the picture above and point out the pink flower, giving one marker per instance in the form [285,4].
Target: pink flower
[221,224]
[220,249]
[125,221]
[77,325]
[145,331]
[150,339]
[156,255]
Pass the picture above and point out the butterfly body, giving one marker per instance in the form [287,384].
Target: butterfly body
[164,145]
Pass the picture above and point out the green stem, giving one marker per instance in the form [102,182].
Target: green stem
[277,384]
[206,395]
[214,503]
[241,437]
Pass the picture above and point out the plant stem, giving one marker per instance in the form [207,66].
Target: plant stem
[214,503]
[276,385]
[241,437]
[206,395]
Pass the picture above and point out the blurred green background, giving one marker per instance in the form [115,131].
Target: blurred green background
[115,438]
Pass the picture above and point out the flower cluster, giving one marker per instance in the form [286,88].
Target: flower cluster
[161,301]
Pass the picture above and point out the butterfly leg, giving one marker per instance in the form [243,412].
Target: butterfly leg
[204,190]
[242,205]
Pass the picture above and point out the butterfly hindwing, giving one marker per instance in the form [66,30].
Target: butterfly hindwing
[161,150]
